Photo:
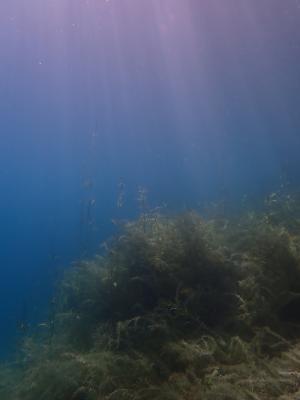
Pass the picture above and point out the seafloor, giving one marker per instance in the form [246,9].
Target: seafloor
[186,307]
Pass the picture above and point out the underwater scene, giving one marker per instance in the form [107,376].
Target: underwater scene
[150,200]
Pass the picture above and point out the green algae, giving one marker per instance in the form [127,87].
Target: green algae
[178,307]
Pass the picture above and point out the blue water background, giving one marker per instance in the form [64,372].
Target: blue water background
[195,100]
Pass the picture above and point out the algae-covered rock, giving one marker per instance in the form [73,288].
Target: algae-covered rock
[178,308]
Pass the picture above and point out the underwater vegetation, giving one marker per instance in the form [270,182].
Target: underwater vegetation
[178,308]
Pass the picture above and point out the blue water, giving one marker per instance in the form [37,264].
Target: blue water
[194,100]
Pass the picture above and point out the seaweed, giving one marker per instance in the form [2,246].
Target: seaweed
[178,307]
